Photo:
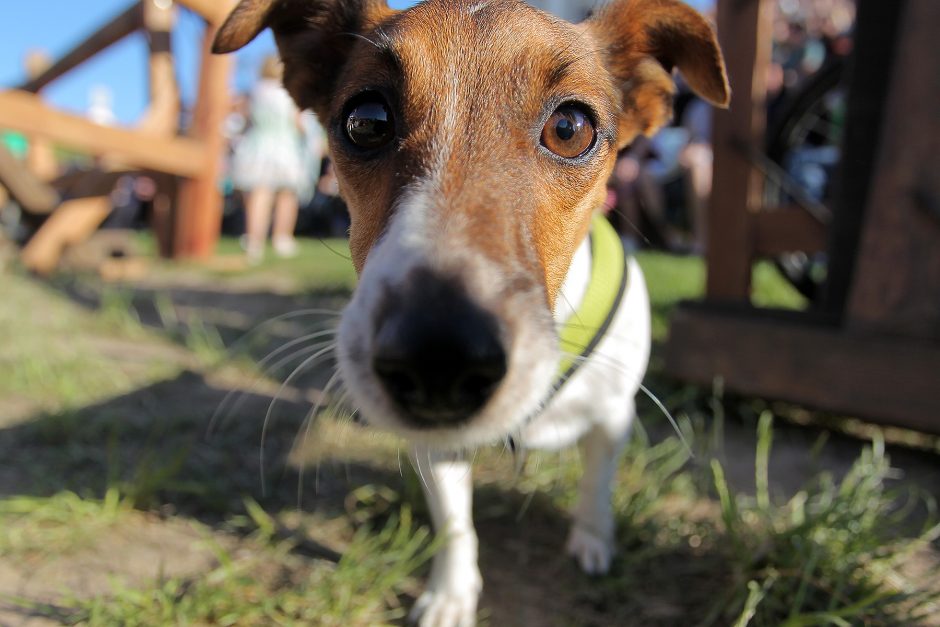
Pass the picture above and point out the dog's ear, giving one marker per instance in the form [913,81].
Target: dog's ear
[644,40]
[313,37]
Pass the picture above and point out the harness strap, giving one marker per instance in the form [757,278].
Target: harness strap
[586,327]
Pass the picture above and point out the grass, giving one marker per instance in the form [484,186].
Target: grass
[273,587]
[833,553]
[61,523]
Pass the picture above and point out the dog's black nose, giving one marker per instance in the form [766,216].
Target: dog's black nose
[438,354]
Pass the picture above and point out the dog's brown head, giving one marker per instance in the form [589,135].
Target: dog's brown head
[472,141]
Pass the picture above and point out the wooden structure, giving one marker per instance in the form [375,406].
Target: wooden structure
[187,216]
[871,348]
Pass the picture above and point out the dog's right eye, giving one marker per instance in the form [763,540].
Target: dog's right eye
[369,122]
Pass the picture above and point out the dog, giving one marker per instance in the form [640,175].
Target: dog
[472,141]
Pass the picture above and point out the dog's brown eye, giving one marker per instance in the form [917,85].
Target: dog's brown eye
[369,123]
[569,132]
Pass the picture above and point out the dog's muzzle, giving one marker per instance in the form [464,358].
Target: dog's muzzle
[438,355]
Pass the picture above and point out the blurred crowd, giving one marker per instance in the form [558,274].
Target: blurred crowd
[661,186]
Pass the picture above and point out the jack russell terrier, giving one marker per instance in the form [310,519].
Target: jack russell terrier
[473,140]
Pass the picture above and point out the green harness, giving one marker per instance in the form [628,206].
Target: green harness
[584,330]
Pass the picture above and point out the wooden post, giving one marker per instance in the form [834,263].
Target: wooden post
[744,30]
[896,286]
[877,30]
[40,156]
[213,11]
[162,115]
[198,219]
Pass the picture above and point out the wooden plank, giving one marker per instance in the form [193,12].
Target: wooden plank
[896,286]
[876,33]
[40,154]
[744,31]
[107,35]
[786,230]
[198,221]
[25,112]
[883,380]
[213,11]
[73,222]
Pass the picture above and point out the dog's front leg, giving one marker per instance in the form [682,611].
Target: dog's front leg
[591,540]
[454,587]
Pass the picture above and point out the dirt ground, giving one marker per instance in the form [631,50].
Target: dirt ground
[157,436]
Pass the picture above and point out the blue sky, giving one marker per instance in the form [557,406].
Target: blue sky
[57,25]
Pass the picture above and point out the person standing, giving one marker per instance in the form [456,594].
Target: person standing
[268,165]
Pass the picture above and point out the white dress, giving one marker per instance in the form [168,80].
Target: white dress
[271,153]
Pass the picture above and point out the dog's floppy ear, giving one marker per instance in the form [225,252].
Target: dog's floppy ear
[644,41]
[313,37]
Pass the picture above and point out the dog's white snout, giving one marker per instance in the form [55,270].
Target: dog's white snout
[438,355]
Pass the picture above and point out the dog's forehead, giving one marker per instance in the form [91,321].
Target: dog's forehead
[487,47]
[495,31]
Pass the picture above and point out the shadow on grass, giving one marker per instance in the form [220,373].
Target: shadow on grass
[155,444]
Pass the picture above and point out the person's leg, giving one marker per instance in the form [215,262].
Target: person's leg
[257,219]
[285,220]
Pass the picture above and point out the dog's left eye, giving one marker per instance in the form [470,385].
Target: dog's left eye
[569,132]
[369,122]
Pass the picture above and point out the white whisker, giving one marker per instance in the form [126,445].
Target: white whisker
[299,313]
[293,375]
[672,420]
[622,368]
[417,466]
[311,416]
[266,371]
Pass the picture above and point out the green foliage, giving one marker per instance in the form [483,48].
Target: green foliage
[828,556]
[273,587]
[671,279]
[58,524]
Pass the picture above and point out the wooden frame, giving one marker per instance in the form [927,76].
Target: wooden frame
[872,348]
[191,228]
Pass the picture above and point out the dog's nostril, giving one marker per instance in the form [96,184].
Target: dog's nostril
[399,379]
[479,381]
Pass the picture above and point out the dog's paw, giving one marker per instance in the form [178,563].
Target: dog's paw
[592,552]
[446,608]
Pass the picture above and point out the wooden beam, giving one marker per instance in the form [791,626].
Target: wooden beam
[879,379]
[107,35]
[896,285]
[198,221]
[744,31]
[213,11]
[786,230]
[25,112]
[73,222]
